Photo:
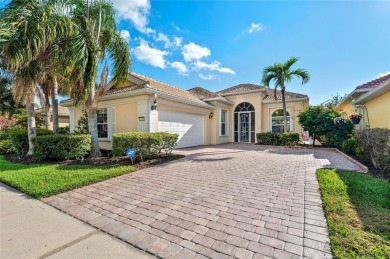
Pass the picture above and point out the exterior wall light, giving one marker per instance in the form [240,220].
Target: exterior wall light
[141,118]
[211,115]
[154,105]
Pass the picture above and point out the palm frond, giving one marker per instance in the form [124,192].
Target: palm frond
[302,74]
[288,64]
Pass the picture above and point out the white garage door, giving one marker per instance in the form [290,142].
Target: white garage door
[189,127]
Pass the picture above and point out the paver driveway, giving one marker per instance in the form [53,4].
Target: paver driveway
[220,201]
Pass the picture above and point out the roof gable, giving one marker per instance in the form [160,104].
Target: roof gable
[241,88]
[202,93]
[138,81]
[289,95]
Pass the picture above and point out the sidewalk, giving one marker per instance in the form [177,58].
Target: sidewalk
[32,229]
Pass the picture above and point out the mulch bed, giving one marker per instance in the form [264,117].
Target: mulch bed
[100,161]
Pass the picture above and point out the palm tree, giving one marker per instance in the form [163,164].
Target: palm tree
[282,74]
[26,29]
[97,42]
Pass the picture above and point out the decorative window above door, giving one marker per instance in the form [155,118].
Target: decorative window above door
[244,107]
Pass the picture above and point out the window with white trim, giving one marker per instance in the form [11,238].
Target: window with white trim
[278,121]
[102,123]
[223,123]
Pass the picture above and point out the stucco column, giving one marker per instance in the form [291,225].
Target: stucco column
[259,116]
[153,122]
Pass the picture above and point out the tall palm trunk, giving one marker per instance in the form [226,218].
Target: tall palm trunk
[32,130]
[54,103]
[92,124]
[284,109]
[47,117]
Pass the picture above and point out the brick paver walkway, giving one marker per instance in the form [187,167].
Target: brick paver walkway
[220,201]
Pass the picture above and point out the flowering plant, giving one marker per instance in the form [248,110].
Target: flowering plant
[5,123]
[339,120]
[355,117]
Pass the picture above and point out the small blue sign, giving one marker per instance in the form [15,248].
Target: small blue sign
[131,153]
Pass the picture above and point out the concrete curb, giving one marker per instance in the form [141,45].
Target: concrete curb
[365,168]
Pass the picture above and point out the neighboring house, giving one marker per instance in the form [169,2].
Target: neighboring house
[199,116]
[372,101]
[63,116]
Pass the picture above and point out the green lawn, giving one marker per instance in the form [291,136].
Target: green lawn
[357,208]
[45,180]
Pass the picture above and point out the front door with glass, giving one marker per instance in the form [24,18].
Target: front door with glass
[244,123]
[244,126]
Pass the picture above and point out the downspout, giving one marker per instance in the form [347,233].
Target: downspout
[149,110]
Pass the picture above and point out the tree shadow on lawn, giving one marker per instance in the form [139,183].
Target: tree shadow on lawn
[371,200]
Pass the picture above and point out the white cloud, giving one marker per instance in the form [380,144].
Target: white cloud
[383,74]
[137,11]
[208,77]
[149,55]
[176,27]
[255,27]
[215,66]
[125,34]
[176,42]
[164,38]
[192,51]
[180,67]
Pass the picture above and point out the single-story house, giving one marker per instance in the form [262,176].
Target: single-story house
[199,116]
[372,101]
[63,116]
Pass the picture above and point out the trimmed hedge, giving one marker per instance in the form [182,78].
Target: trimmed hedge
[19,139]
[278,139]
[6,146]
[146,144]
[61,146]
[4,136]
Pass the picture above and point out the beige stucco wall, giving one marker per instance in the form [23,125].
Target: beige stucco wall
[346,108]
[379,111]
[214,122]
[126,117]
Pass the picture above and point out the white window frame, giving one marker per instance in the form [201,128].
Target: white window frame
[221,111]
[289,110]
[106,123]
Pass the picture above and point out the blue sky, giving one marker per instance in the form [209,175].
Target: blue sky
[218,44]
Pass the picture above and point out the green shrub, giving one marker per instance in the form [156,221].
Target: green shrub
[6,146]
[350,145]
[61,146]
[167,141]
[341,130]
[19,139]
[4,135]
[146,144]
[289,139]
[268,138]
[277,139]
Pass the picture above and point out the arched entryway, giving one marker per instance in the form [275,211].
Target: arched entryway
[244,123]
